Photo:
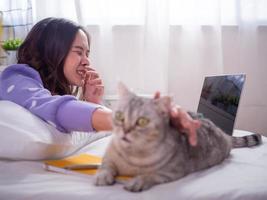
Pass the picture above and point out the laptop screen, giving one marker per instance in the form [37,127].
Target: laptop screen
[220,98]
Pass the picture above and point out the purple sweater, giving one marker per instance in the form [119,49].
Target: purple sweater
[22,85]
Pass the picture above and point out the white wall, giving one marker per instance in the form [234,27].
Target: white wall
[252,113]
[253,109]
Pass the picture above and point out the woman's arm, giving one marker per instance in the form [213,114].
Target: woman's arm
[102,119]
[93,91]
[22,84]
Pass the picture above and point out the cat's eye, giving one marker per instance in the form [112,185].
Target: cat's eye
[119,116]
[142,121]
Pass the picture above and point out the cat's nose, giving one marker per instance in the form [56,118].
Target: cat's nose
[127,130]
[125,139]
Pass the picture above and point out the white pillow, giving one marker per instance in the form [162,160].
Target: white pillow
[24,136]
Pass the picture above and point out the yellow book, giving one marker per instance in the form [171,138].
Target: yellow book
[82,165]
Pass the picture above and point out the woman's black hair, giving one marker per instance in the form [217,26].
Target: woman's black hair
[46,48]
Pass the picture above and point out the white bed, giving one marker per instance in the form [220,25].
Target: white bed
[23,136]
[242,176]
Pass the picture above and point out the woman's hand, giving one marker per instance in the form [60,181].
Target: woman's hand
[183,122]
[93,89]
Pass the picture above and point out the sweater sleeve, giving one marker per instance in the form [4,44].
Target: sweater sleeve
[21,84]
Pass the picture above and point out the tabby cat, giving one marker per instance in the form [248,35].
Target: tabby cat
[145,146]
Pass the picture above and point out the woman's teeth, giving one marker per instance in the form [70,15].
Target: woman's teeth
[80,72]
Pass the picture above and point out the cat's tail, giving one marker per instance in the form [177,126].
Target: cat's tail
[247,141]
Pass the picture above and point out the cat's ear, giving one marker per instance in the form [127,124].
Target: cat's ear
[163,103]
[123,91]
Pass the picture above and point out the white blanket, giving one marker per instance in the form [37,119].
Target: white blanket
[242,176]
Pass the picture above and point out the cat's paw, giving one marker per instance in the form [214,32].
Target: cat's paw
[138,184]
[104,177]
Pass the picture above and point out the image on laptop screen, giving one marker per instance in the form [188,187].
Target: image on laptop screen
[220,98]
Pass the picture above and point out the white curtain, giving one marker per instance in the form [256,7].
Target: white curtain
[15,22]
[170,45]
[16,18]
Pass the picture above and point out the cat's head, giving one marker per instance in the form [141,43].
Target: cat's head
[137,120]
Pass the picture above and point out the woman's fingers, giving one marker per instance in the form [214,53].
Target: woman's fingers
[94,93]
[183,121]
[92,75]
[96,82]
[98,90]
[88,80]
[93,88]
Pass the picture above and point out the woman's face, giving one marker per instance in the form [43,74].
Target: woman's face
[77,61]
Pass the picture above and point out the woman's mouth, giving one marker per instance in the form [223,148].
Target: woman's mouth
[81,72]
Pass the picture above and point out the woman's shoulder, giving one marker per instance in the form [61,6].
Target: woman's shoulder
[22,70]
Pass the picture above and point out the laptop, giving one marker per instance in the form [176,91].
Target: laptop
[219,99]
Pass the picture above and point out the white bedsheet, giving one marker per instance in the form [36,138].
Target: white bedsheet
[242,176]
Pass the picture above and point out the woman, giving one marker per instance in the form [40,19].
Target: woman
[53,62]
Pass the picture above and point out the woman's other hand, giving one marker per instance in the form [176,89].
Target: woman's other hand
[183,122]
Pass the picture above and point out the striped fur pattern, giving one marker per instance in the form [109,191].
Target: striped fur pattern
[146,147]
[246,141]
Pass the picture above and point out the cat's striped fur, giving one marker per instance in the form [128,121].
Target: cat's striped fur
[145,146]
